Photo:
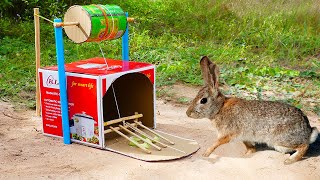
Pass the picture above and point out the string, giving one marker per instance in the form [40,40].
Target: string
[105,60]
[114,94]
[115,99]
[44,18]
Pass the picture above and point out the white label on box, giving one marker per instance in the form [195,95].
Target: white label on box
[91,65]
[50,79]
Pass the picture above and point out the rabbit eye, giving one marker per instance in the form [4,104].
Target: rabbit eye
[203,100]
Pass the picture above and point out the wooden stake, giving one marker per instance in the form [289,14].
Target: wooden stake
[37,48]
[153,132]
[141,138]
[135,143]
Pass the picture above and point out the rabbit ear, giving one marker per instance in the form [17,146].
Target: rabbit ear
[214,70]
[210,72]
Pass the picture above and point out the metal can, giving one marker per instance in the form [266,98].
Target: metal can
[96,23]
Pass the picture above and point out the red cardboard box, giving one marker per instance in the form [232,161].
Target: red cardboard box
[98,90]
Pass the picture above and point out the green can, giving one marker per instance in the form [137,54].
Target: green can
[96,23]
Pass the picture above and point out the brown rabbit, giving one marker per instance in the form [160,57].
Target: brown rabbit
[279,125]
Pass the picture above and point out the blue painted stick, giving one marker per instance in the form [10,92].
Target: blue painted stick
[62,82]
[125,43]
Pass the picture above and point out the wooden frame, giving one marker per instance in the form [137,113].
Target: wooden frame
[134,127]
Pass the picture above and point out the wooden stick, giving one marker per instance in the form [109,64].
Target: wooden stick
[164,145]
[153,132]
[83,31]
[130,19]
[117,128]
[143,133]
[66,24]
[141,138]
[37,48]
[122,119]
[135,143]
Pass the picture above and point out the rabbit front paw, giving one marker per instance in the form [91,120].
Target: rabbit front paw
[250,151]
[207,153]
[289,161]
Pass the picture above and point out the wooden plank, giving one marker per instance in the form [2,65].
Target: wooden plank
[135,143]
[37,49]
[122,119]
[141,138]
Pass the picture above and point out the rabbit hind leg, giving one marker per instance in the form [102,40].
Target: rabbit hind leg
[250,147]
[300,152]
[283,149]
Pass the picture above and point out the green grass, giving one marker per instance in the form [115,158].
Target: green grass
[269,46]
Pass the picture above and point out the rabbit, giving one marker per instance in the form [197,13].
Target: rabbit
[281,126]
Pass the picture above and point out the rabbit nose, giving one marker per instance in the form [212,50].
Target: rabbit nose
[188,112]
[191,113]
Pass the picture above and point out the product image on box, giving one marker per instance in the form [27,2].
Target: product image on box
[82,127]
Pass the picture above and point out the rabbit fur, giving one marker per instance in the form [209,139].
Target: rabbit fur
[279,125]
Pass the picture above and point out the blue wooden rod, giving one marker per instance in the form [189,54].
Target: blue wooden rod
[62,82]
[125,43]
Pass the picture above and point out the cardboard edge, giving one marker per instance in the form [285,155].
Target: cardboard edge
[154,98]
[100,115]
[135,157]
[161,160]
[113,77]
[75,141]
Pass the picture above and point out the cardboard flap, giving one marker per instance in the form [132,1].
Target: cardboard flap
[182,148]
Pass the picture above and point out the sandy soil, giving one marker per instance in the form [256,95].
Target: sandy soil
[27,154]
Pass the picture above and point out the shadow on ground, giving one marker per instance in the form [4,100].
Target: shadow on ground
[204,139]
[314,148]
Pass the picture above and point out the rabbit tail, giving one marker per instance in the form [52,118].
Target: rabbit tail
[314,135]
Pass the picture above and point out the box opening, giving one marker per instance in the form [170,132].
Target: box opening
[134,93]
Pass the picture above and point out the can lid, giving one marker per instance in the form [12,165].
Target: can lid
[84,115]
[80,33]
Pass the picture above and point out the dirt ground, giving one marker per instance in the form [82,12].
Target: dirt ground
[27,154]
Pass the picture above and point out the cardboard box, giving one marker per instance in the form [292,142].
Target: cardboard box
[99,91]
[89,89]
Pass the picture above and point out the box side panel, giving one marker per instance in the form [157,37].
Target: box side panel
[50,102]
[83,108]
[82,102]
